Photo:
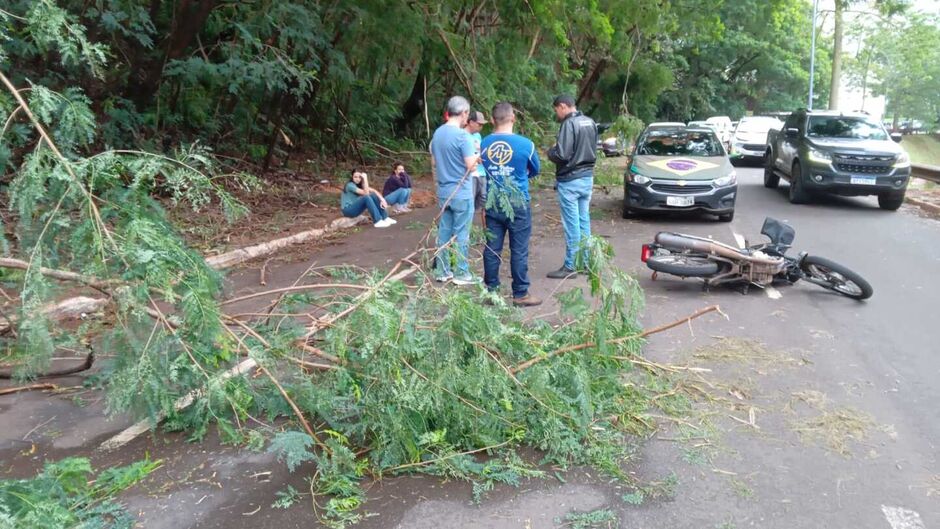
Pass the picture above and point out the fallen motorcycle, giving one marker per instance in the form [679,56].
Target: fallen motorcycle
[760,265]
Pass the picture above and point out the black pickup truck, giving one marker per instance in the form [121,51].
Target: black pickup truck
[837,153]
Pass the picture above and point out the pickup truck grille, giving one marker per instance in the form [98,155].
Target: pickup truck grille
[682,190]
[863,169]
[863,163]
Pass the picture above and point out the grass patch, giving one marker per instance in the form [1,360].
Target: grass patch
[599,519]
[923,148]
[609,171]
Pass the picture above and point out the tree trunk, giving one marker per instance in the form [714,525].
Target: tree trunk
[189,18]
[591,80]
[414,105]
[836,57]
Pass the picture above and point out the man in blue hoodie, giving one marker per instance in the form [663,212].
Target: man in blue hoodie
[509,161]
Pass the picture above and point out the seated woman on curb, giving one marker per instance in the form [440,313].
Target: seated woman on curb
[397,189]
[358,196]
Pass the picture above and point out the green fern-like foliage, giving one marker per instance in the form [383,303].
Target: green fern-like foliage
[63,496]
[98,213]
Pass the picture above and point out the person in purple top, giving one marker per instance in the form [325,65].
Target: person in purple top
[397,189]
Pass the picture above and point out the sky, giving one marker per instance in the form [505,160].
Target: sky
[851,98]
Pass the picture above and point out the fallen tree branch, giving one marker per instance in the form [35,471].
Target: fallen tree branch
[131,432]
[297,288]
[532,361]
[393,275]
[247,253]
[31,387]
[67,308]
[64,275]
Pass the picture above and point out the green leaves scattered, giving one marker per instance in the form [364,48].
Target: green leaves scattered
[64,496]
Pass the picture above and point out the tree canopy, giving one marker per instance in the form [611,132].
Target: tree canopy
[264,78]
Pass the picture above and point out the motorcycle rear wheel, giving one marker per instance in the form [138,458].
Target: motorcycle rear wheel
[833,276]
[683,265]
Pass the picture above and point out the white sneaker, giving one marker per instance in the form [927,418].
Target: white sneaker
[391,221]
[382,223]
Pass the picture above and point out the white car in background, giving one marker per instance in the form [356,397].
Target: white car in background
[722,126]
[749,139]
[700,124]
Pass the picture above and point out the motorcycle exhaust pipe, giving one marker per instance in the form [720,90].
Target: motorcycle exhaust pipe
[680,242]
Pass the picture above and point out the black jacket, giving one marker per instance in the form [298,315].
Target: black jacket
[576,148]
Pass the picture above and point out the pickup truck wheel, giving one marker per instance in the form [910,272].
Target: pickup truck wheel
[798,195]
[890,202]
[771,180]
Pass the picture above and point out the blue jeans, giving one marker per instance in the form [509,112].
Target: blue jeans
[454,224]
[370,202]
[574,197]
[398,196]
[519,228]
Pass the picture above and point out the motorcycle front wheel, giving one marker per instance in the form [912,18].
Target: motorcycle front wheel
[683,265]
[835,277]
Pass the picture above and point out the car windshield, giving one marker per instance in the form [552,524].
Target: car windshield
[845,127]
[680,143]
[758,125]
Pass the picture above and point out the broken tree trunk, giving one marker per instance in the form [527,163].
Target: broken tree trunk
[241,255]
[65,309]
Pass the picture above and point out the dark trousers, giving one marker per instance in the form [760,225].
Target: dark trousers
[519,230]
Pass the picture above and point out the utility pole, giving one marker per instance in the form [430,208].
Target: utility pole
[812,56]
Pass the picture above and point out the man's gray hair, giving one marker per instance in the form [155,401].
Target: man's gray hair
[502,113]
[457,105]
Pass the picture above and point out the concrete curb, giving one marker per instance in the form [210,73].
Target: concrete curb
[926,206]
[240,255]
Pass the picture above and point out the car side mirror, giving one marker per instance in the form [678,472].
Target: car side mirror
[897,137]
[793,132]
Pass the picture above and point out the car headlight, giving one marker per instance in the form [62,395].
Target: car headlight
[816,155]
[635,176]
[903,161]
[729,180]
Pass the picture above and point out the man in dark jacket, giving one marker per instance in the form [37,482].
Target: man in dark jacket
[574,155]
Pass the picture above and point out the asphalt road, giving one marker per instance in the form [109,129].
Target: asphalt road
[878,357]
[836,359]
[790,365]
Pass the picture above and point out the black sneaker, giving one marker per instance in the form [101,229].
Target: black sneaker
[561,273]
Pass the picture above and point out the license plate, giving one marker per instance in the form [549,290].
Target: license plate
[680,201]
[864,180]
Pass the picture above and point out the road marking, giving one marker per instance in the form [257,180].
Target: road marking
[772,292]
[902,518]
[739,239]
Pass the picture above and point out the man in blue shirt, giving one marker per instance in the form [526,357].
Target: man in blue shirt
[453,159]
[509,161]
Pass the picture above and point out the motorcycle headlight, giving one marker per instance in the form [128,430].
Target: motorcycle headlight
[819,156]
[724,181]
[903,161]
